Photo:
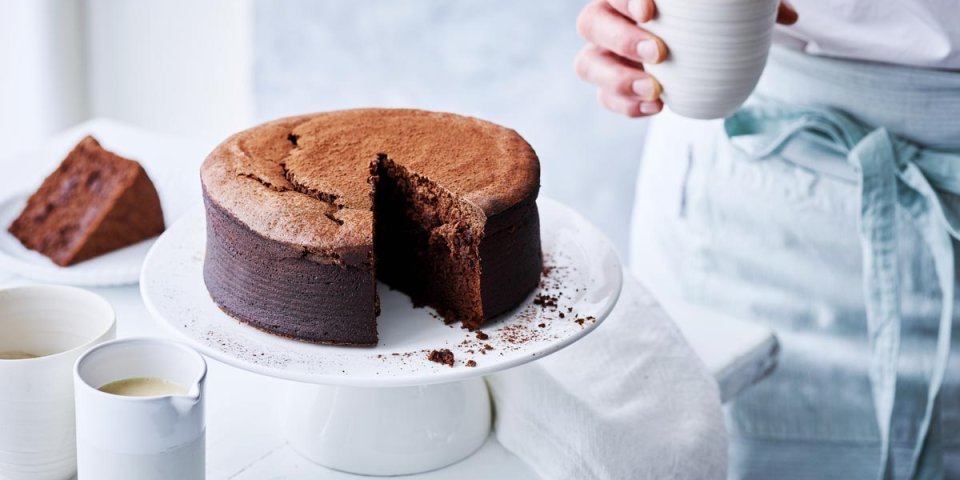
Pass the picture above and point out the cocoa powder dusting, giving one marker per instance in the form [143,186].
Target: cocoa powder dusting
[552,302]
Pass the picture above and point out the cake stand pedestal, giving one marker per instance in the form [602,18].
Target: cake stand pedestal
[388,410]
[388,431]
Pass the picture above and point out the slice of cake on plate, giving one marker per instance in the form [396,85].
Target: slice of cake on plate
[95,202]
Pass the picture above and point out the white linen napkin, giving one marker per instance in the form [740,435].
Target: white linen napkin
[630,400]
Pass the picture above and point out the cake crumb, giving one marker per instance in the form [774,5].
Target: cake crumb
[471,363]
[443,356]
[482,336]
[579,321]
[545,301]
[542,325]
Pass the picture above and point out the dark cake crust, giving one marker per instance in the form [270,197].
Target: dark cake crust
[510,258]
[277,288]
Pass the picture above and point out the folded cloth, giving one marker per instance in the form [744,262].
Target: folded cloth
[628,401]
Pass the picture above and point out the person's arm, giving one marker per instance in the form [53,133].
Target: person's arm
[617,47]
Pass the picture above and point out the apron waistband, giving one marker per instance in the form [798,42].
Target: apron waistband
[920,105]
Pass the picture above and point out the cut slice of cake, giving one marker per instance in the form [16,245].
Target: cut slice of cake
[95,202]
[428,243]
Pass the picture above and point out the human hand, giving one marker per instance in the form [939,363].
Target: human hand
[617,47]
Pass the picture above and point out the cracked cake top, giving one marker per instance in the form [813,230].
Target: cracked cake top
[307,181]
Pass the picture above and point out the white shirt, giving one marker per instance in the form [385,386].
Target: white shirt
[923,33]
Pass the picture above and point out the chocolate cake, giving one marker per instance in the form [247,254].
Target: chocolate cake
[93,203]
[304,214]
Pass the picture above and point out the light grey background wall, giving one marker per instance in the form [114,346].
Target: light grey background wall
[172,66]
[42,74]
[177,66]
[507,61]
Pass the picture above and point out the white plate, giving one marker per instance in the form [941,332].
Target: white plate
[120,267]
[585,275]
[173,164]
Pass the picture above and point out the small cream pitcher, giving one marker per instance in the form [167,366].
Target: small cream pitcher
[143,437]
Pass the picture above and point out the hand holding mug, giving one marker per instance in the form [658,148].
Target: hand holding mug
[619,48]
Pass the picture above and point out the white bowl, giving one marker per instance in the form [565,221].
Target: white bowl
[57,324]
[716,52]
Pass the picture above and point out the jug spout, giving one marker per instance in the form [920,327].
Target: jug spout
[183,404]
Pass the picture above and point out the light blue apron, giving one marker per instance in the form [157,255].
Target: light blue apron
[761,234]
[894,174]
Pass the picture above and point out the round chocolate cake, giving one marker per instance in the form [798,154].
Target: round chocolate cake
[304,214]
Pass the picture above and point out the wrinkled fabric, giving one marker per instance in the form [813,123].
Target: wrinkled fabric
[801,214]
[920,33]
[631,400]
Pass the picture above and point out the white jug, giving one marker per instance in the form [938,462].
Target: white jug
[147,438]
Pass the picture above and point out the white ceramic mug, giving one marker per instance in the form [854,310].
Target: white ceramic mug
[717,50]
[54,324]
[144,438]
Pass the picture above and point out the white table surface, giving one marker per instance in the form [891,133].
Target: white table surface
[244,410]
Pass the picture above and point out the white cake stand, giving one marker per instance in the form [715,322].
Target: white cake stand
[388,410]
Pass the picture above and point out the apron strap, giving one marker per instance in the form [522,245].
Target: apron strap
[922,201]
[881,277]
[893,175]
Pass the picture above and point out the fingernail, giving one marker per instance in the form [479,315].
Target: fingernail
[648,50]
[635,7]
[649,108]
[644,88]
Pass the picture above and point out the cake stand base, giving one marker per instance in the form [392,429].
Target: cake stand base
[388,431]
